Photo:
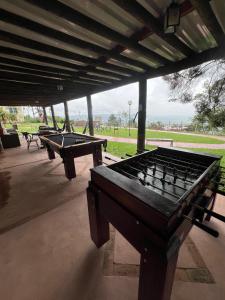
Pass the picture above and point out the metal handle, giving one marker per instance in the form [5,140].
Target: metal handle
[109,158]
[207,229]
[216,215]
[211,213]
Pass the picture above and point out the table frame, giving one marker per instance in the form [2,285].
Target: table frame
[158,254]
[68,153]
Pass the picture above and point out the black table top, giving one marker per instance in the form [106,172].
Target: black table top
[69,139]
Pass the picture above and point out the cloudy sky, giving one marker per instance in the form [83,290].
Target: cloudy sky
[116,101]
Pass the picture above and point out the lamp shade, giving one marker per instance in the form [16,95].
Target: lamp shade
[59,87]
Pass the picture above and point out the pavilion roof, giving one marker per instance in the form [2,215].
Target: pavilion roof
[52,51]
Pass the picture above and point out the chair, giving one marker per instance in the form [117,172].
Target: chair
[10,140]
[30,139]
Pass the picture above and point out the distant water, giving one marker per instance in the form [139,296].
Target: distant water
[164,119]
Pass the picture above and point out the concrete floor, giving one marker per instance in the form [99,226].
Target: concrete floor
[52,257]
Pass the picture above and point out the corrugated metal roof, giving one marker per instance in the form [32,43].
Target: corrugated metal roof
[218,7]
[104,42]
[195,33]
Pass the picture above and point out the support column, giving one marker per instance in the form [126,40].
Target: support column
[67,119]
[142,115]
[90,115]
[45,116]
[53,117]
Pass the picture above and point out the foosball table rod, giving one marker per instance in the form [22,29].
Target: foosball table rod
[205,228]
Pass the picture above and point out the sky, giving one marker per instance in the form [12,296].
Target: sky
[116,101]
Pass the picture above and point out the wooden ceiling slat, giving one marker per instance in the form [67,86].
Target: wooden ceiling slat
[58,72]
[33,45]
[17,63]
[13,64]
[18,71]
[41,80]
[67,39]
[10,87]
[32,72]
[49,60]
[87,23]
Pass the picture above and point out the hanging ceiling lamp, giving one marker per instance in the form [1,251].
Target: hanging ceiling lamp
[59,85]
[172,18]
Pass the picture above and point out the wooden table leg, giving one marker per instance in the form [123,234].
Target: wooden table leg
[99,226]
[51,153]
[213,201]
[156,275]
[69,167]
[97,155]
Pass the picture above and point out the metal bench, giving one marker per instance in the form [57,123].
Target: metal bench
[160,140]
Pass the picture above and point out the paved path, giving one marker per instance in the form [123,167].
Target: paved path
[176,144]
[218,137]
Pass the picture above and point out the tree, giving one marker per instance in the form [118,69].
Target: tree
[210,104]
[112,120]
[2,114]
[5,116]
[156,125]
[209,79]
[124,117]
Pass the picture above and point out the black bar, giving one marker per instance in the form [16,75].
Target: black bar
[90,115]
[206,228]
[202,226]
[185,161]
[141,115]
[67,119]
[151,159]
[53,117]
[160,179]
[210,212]
[154,170]
[45,116]
[145,183]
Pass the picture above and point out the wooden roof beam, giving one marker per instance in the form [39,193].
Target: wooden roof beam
[13,85]
[191,61]
[153,24]
[25,88]
[87,23]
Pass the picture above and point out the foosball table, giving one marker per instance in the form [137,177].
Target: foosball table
[153,199]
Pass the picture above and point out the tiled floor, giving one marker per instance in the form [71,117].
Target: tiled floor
[52,257]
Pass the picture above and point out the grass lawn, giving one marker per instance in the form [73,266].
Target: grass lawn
[177,137]
[120,149]
[123,132]
[29,127]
